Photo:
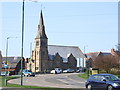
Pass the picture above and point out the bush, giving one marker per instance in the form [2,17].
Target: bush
[115,72]
[118,76]
[102,71]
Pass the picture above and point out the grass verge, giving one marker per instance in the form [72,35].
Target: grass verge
[84,76]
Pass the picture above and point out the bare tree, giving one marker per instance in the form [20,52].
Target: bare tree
[106,62]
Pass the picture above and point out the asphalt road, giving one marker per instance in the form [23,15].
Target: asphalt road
[66,80]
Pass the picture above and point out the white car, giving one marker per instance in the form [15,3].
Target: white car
[56,71]
[69,70]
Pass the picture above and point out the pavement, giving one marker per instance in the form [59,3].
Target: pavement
[65,80]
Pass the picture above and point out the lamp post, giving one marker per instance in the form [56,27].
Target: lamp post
[31,56]
[21,78]
[85,48]
[84,53]
[21,81]
[6,59]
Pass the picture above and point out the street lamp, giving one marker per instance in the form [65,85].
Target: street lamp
[84,53]
[21,78]
[22,43]
[85,48]
[6,59]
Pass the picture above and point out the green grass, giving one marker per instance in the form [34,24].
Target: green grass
[84,76]
[24,86]
[2,78]
[0,81]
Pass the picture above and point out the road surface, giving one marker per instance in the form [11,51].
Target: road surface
[65,80]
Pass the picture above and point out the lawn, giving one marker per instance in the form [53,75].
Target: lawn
[84,76]
[0,81]
[35,87]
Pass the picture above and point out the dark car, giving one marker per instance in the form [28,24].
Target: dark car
[103,82]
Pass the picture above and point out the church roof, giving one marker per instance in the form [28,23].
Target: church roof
[65,51]
[41,28]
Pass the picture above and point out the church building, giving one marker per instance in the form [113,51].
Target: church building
[47,57]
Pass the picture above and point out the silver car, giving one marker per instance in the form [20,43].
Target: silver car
[56,71]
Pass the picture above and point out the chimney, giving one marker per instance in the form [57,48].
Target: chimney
[112,50]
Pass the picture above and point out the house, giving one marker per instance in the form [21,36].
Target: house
[91,57]
[47,57]
[13,64]
[116,53]
[0,62]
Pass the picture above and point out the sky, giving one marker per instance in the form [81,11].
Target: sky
[93,25]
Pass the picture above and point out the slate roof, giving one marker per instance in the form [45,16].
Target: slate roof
[106,53]
[12,61]
[65,51]
[94,55]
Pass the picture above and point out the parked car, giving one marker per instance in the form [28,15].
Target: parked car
[103,82]
[69,70]
[56,71]
[28,73]
[3,73]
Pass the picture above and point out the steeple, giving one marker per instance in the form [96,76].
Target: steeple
[41,28]
[41,19]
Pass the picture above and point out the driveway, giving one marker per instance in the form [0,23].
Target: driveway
[65,80]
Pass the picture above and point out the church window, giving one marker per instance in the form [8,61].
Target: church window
[43,43]
[36,68]
[37,43]
[37,52]
[43,53]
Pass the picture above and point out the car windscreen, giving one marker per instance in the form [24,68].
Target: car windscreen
[111,78]
[29,71]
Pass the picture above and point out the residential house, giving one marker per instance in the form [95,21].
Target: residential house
[91,57]
[14,64]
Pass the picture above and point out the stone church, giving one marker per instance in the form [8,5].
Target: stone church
[47,57]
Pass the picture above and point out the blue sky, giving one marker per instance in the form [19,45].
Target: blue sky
[90,24]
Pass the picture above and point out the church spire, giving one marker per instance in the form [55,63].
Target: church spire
[41,19]
[41,28]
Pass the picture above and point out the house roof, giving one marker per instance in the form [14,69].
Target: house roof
[12,61]
[117,52]
[65,51]
[106,53]
[94,55]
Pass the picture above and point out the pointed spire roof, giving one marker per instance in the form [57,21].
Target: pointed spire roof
[41,28]
[41,22]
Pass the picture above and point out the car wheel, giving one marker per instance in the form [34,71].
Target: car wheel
[28,75]
[55,72]
[109,87]
[89,87]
